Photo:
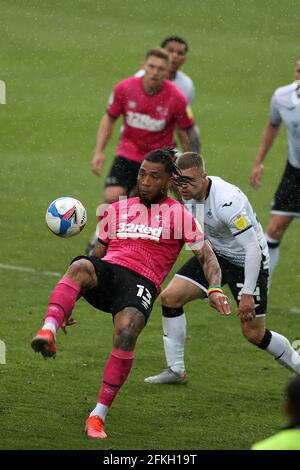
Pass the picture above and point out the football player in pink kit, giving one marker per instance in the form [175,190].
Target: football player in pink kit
[123,276]
[151,107]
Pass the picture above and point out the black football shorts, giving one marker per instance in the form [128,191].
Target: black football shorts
[232,275]
[287,197]
[119,287]
[123,173]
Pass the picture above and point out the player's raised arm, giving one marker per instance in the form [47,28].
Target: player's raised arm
[212,272]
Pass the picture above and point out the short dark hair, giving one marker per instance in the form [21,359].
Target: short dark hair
[190,160]
[179,39]
[293,397]
[158,52]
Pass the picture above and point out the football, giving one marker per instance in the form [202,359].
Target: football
[66,217]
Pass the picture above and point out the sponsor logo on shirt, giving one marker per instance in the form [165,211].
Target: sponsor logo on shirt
[138,231]
[227,204]
[145,122]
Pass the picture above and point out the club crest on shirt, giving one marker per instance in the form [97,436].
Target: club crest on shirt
[161,110]
[131,104]
[240,222]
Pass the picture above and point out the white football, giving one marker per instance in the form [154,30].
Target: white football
[66,217]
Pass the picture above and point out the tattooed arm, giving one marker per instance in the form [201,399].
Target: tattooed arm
[213,274]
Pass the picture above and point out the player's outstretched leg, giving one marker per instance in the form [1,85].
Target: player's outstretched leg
[61,303]
[80,274]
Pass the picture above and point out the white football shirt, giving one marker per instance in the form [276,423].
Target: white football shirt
[285,106]
[227,214]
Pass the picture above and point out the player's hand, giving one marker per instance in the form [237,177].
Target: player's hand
[69,322]
[256,175]
[246,309]
[220,302]
[97,162]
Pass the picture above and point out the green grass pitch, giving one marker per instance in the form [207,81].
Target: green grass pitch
[59,61]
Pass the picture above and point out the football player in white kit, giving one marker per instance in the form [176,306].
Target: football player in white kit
[237,239]
[285,107]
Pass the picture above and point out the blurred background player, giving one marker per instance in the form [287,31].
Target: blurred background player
[289,437]
[151,107]
[177,48]
[237,239]
[118,280]
[285,107]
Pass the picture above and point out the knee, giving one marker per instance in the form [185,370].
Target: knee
[125,338]
[82,271]
[253,335]
[170,299]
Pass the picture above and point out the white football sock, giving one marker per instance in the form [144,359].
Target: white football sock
[100,410]
[50,325]
[174,338]
[274,252]
[283,352]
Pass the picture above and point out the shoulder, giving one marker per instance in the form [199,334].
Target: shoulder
[227,197]
[223,190]
[175,207]
[173,203]
[181,76]
[284,92]
[171,87]
[140,73]
[128,83]
[124,205]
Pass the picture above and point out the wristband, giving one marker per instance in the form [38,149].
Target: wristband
[214,289]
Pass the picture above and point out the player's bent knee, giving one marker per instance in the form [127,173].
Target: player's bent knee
[83,270]
[171,299]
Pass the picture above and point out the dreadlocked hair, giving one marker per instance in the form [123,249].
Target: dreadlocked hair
[167,157]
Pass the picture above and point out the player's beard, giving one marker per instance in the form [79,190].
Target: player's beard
[159,197]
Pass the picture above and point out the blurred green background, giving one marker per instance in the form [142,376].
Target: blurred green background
[60,61]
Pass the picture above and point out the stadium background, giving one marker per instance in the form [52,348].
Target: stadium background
[60,61]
